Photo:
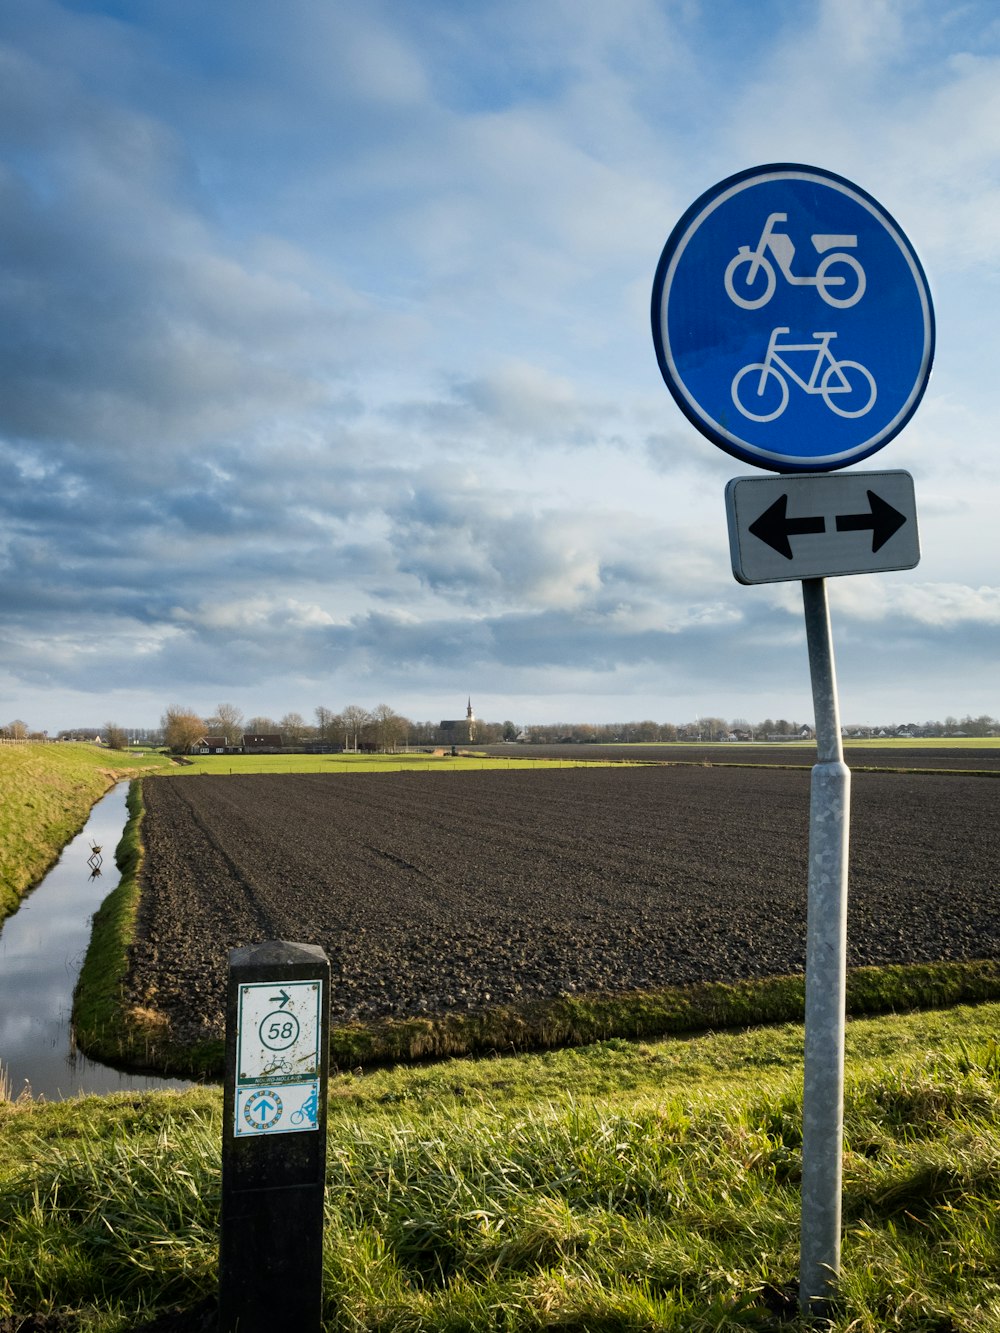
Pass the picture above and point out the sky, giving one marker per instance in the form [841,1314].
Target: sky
[326,371]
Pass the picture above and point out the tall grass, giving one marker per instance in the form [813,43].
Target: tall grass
[619,1187]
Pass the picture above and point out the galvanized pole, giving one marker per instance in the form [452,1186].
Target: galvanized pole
[826,971]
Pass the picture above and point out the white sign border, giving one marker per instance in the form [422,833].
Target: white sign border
[701,418]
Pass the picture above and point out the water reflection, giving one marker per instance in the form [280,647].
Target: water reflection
[41,950]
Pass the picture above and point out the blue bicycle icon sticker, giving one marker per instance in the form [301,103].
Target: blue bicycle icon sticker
[760,389]
[306,1114]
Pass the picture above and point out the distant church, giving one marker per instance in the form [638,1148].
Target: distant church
[460,731]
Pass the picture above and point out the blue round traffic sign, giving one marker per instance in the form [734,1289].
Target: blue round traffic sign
[792,320]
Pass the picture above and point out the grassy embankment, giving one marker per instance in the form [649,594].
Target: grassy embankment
[140,1037]
[106,1029]
[46,792]
[618,1188]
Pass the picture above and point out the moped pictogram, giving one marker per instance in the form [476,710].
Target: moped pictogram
[751,280]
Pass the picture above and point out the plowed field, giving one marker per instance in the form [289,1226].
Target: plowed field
[454,892]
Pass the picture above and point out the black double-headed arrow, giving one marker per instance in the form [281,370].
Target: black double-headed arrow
[774,527]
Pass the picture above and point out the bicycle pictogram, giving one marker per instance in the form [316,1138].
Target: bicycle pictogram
[847,387]
[755,286]
[307,1111]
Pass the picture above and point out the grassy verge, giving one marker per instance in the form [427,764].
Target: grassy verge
[581,1020]
[106,1028]
[46,792]
[618,1187]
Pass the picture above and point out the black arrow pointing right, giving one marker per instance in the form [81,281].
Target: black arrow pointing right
[883,520]
[774,527]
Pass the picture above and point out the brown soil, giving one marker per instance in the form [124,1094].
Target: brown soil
[458,892]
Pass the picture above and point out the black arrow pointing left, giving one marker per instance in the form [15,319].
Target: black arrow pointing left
[774,527]
[883,520]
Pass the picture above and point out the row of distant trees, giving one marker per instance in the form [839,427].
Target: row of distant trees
[355,727]
[719,728]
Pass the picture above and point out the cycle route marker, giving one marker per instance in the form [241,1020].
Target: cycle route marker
[792,320]
[274,1138]
[278,1057]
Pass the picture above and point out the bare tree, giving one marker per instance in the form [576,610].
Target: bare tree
[230,723]
[181,728]
[354,717]
[262,726]
[325,723]
[390,728]
[293,727]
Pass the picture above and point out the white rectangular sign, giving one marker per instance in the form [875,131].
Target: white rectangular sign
[281,1108]
[821,524]
[278,1056]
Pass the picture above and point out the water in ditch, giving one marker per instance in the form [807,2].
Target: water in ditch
[41,950]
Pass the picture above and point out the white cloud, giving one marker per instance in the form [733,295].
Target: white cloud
[324,346]
[940,605]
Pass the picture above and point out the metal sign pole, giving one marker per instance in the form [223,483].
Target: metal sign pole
[729,309]
[826,970]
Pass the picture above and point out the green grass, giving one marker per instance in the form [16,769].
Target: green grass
[622,1186]
[46,792]
[106,1028]
[414,762]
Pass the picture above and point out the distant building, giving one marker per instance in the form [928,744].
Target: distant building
[261,744]
[209,745]
[459,731]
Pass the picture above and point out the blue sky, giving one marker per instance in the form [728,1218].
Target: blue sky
[326,373]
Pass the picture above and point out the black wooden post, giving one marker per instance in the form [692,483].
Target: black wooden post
[274,1138]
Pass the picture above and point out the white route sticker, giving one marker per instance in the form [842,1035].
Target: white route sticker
[283,1108]
[278,1032]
